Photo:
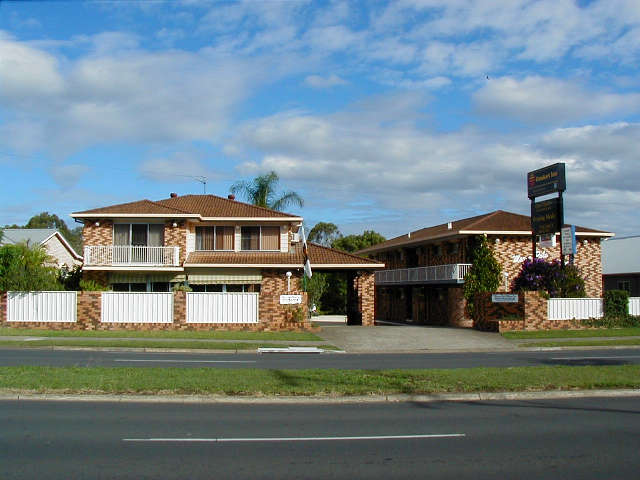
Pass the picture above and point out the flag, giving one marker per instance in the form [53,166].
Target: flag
[305,252]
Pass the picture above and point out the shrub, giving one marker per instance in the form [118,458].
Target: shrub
[182,287]
[616,303]
[25,269]
[484,275]
[549,277]
[91,286]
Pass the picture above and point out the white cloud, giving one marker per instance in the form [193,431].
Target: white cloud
[127,95]
[541,100]
[418,176]
[317,81]
[177,167]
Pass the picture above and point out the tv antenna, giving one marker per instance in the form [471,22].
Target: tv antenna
[203,181]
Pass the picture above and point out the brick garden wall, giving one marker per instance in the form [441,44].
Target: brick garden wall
[529,313]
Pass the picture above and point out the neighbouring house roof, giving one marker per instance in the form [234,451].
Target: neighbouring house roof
[319,256]
[187,206]
[35,236]
[498,222]
[621,255]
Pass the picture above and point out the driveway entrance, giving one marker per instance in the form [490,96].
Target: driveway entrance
[396,339]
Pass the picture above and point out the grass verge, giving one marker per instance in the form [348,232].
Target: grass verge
[312,382]
[585,343]
[179,344]
[206,334]
[605,332]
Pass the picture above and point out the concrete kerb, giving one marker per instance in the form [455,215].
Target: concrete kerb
[223,399]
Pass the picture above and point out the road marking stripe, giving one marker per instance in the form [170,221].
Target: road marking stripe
[595,358]
[183,361]
[292,439]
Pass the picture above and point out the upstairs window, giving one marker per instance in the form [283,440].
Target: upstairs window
[214,238]
[138,234]
[260,238]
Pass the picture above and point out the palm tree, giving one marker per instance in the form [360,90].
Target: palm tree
[261,191]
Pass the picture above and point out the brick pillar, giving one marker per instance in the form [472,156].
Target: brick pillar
[535,311]
[366,298]
[179,310]
[89,310]
[456,308]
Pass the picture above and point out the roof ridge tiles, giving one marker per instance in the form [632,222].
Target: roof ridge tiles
[228,200]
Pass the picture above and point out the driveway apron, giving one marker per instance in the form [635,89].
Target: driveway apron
[396,339]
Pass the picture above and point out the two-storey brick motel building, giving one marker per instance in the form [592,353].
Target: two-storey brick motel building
[214,244]
[425,269]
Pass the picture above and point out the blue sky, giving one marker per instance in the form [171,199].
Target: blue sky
[389,116]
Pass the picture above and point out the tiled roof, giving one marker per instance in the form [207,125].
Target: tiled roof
[196,205]
[214,206]
[319,256]
[498,221]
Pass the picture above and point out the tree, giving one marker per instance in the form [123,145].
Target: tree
[353,243]
[484,275]
[24,269]
[49,220]
[261,191]
[324,233]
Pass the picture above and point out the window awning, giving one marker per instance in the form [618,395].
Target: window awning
[213,276]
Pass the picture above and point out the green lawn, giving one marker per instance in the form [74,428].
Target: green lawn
[604,332]
[312,382]
[207,334]
[585,343]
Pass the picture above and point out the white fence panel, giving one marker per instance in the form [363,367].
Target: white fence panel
[634,306]
[139,307]
[222,307]
[578,308]
[41,306]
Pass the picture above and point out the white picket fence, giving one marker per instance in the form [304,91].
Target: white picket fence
[138,307]
[634,306]
[50,307]
[574,308]
[222,307]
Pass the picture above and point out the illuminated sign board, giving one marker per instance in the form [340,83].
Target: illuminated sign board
[546,180]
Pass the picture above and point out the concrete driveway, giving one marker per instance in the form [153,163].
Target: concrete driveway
[407,338]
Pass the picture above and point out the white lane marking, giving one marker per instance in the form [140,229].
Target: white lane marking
[595,358]
[184,361]
[292,439]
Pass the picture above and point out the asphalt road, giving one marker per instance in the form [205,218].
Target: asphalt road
[87,358]
[568,439]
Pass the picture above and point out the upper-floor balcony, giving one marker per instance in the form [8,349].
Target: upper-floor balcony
[452,273]
[131,256]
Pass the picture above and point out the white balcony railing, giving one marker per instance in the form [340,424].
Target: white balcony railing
[131,255]
[440,273]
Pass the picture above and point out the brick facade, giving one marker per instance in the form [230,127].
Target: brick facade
[176,237]
[101,234]
[587,259]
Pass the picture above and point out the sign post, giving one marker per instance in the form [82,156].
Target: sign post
[568,242]
[547,217]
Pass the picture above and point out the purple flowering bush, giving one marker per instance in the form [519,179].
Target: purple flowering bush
[550,278]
